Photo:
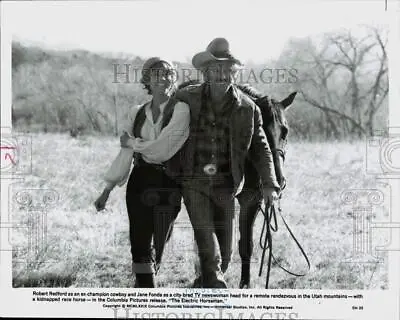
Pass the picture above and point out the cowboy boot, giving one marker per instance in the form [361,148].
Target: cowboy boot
[210,281]
[198,281]
[144,280]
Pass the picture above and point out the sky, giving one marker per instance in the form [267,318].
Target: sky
[176,30]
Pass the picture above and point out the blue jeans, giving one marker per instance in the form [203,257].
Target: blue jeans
[211,210]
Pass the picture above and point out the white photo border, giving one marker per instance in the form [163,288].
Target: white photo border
[377,303]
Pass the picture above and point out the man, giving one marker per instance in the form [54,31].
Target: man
[225,129]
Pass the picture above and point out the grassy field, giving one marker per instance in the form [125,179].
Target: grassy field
[83,248]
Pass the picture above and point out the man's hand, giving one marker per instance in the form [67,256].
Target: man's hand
[126,140]
[100,203]
[270,195]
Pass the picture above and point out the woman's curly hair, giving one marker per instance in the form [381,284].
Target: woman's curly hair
[146,73]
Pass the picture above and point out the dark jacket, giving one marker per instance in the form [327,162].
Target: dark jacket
[247,138]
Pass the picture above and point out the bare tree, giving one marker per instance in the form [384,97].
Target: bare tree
[379,88]
[347,80]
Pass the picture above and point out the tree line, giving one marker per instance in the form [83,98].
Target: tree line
[341,77]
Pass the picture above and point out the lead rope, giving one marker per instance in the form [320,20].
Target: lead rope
[267,244]
[271,213]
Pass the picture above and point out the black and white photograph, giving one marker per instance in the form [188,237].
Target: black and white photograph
[241,147]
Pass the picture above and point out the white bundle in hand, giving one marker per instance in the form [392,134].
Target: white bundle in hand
[120,168]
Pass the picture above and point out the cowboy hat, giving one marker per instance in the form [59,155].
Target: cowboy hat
[217,50]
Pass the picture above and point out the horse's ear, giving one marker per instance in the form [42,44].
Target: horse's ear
[288,100]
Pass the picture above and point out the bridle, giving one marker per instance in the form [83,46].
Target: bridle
[278,152]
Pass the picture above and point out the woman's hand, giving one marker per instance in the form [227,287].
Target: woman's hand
[100,203]
[126,140]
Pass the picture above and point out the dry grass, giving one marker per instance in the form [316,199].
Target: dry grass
[86,249]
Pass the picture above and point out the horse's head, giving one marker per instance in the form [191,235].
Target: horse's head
[275,126]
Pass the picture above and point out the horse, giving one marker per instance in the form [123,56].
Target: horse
[250,198]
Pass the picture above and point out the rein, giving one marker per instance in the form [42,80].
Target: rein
[266,240]
[271,213]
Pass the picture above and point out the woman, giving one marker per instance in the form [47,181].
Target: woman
[157,130]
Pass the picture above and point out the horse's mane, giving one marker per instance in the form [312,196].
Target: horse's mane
[245,88]
[187,83]
[250,91]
